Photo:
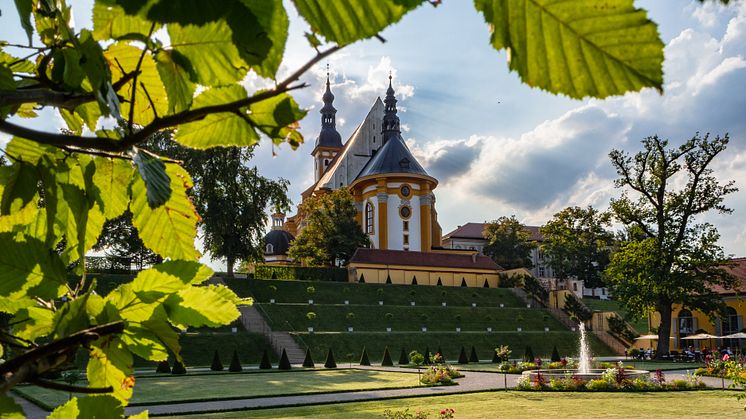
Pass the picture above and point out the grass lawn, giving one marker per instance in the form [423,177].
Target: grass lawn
[165,389]
[640,325]
[525,405]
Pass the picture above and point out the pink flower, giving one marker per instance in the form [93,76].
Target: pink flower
[726,357]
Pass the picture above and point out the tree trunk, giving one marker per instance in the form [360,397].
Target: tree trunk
[664,330]
[229,265]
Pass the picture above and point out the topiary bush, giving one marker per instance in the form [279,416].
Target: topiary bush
[462,358]
[163,367]
[555,355]
[473,356]
[403,358]
[216,364]
[528,356]
[364,358]
[265,364]
[330,362]
[428,358]
[178,368]
[387,362]
[235,365]
[284,361]
[308,360]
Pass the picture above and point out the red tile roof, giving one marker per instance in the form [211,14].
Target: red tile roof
[737,269]
[429,259]
[474,231]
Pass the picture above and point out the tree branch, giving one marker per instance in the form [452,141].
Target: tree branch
[131,139]
[49,97]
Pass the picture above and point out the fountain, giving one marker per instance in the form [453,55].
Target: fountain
[584,371]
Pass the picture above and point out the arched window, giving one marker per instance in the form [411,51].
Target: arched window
[730,322]
[686,323]
[269,249]
[369,218]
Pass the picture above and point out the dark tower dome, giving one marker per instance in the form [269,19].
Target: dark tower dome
[328,137]
[277,242]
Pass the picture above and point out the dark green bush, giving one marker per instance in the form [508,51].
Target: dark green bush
[528,356]
[555,355]
[178,368]
[428,359]
[364,358]
[462,358]
[403,358]
[308,360]
[163,367]
[301,273]
[330,362]
[473,356]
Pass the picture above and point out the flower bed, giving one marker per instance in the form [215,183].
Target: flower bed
[518,367]
[733,367]
[613,379]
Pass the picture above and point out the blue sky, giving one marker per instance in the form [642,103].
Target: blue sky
[499,147]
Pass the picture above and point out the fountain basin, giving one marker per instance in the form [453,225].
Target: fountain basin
[593,374]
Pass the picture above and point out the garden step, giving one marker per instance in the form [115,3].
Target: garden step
[253,321]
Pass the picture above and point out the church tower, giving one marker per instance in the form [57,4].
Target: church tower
[329,142]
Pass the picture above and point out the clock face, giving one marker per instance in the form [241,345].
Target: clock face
[405,212]
[405,191]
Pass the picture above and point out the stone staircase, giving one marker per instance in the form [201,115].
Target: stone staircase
[254,322]
[611,342]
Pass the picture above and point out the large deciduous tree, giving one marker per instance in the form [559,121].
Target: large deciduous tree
[331,233]
[577,243]
[136,73]
[508,243]
[673,257]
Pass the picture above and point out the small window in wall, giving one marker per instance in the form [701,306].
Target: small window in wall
[575,286]
[270,249]
[405,225]
[326,162]
[541,271]
[406,239]
[463,282]
[369,218]
[374,138]
[405,191]
[405,212]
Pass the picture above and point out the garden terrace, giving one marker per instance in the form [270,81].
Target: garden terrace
[640,325]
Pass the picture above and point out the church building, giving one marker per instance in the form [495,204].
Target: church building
[395,203]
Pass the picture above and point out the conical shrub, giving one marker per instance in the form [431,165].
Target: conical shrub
[462,359]
[528,356]
[555,355]
[308,360]
[284,361]
[265,364]
[235,365]
[495,358]
[364,358]
[163,367]
[427,360]
[473,356]
[387,362]
[216,365]
[403,357]
[178,368]
[330,362]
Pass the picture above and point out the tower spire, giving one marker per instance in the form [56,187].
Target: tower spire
[390,127]
[328,112]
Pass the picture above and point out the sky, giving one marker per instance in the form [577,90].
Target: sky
[497,146]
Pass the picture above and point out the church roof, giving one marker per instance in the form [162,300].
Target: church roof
[393,157]
[426,259]
[280,241]
[474,231]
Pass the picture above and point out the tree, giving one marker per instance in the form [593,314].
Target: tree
[331,233]
[119,239]
[577,244]
[124,82]
[671,257]
[508,243]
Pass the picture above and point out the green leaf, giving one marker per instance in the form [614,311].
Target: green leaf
[90,112]
[170,229]
[100,407]
[29,269]
[278,118]
[578,48]
[33,322]
[175,71]
[211,305]
[17,65]
[71,317]
[123,59]
[219,129]
[112,178]
[24,8]
[152,171]
[211,51]
[19,187]
[128,306]
[73,120]
[9,408]
[28,151]
[110,364]
[110,21]
[261,35]
[169,277]
[347,21]
[97,70]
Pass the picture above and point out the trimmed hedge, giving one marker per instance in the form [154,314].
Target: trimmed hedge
[300,273]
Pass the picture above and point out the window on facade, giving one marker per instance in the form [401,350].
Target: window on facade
[575,286]
[405,225]
[405,190]
[269,249]
[686,323]
[326,162]
[542,272]
[369,218]
[405,212]
[406,239]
